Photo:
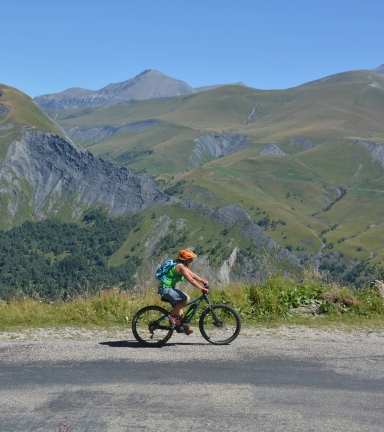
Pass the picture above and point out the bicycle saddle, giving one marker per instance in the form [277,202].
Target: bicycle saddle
[163,299]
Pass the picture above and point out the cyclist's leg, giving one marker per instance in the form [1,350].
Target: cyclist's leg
[178,298]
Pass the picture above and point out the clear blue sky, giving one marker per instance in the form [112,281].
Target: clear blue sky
[48,46]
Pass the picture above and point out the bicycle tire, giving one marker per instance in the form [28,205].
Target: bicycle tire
[147,330]
[223,331]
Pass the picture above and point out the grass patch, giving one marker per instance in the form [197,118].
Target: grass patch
[267,305]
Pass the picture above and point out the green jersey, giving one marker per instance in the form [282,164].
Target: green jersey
[172,277]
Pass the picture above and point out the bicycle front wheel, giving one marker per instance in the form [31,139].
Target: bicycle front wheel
[150,326]
[220,324]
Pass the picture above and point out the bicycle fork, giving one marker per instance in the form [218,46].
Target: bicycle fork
[216,321]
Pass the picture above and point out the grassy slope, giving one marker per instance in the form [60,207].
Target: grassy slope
[332,112]
[23,114]
[345,105]
[22,111]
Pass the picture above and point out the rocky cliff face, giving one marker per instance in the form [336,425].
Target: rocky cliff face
[267,255]
[100,133]
[216,146]
[44,173]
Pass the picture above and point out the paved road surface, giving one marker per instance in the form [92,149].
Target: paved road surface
[267,380]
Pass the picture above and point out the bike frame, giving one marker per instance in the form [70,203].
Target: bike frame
[193,306]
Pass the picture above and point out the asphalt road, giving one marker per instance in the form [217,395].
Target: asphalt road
[267,380]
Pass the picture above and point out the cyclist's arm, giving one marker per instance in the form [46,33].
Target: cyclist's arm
[191,277]
[198,278]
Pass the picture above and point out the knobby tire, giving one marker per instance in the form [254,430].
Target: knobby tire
[220,325]
[146,328]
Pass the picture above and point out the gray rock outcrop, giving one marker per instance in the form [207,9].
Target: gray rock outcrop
[100,133]
[378,286]
[46,173]
[216,146]
[272,150]
[376,150]
[3,110]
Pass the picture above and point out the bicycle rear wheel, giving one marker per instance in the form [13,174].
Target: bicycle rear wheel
[220,324]
[150,326]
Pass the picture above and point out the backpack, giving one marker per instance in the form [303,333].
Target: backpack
[164,269]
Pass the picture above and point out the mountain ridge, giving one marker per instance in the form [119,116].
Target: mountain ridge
[304,163]
[148,84]
[44,176]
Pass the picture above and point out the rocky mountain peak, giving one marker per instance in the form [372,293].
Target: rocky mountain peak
[148,84]
[379,70]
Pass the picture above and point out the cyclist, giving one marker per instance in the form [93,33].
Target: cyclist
[178,273]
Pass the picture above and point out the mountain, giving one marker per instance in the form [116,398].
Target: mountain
[44,176]
[147,85]
[379,70]
[305,163]
[243,175]
[146,135]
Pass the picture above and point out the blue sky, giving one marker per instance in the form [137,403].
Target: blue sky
[49,46]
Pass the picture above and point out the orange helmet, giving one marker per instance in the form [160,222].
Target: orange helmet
[186,254]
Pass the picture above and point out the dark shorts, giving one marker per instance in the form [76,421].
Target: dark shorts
[174,295]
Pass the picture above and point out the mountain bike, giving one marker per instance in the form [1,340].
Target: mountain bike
[219,324]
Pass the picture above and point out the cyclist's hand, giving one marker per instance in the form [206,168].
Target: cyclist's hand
[206,288]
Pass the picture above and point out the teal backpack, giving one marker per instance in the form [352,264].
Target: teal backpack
[164,269]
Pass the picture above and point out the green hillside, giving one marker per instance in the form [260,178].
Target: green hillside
[21,114]
[327,191]
[344,105]
[56,240]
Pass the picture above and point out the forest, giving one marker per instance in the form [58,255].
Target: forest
[53,259]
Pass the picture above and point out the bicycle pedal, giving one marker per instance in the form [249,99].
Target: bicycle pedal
[188,332]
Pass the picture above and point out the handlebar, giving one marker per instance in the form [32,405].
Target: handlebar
[206,289]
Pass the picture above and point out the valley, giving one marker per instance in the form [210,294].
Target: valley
[280,180]
[308,156]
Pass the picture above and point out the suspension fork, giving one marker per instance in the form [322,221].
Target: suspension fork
[218,323]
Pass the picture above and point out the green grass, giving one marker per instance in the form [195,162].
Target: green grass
[257,305]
